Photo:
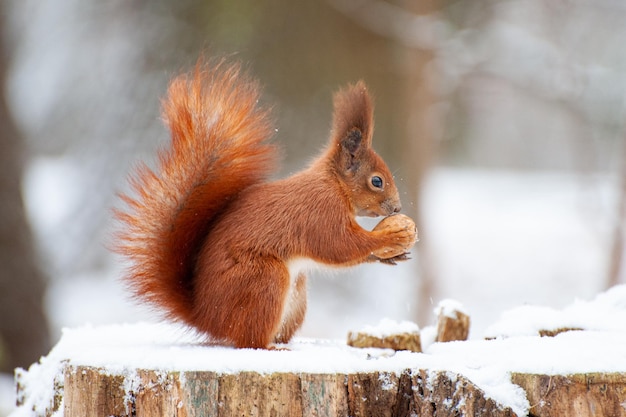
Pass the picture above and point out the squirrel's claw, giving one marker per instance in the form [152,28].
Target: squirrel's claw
[396,259]
[390,261]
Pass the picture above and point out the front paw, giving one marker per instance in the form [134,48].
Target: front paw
[399,235]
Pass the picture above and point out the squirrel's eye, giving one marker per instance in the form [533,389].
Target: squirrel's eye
[377,181]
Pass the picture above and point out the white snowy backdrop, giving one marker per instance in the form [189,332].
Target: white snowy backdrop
[520,208]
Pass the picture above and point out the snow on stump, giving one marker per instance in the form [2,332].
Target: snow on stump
[388,334]
[453,323]
[153,370]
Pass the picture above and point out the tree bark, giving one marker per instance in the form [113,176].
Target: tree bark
[94,391]
[427,393]
[400,341]
[581,395]
[453,328]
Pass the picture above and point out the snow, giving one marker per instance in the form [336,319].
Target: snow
[449,308]
[387,327]
[428,336]
[7,394]
[606,312]
[122,348]
[503,239]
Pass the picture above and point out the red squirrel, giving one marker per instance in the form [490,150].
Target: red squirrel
[213,243]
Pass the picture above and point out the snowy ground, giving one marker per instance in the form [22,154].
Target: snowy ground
[498,239]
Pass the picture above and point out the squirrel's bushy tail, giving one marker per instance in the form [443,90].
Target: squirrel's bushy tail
[219,146]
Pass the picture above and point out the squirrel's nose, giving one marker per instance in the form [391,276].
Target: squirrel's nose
[395,206]
[391,206]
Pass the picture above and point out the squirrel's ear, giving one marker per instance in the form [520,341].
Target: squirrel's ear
[352,124]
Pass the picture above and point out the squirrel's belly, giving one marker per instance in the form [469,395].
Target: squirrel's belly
[295,300]
[299,266]
[294,307]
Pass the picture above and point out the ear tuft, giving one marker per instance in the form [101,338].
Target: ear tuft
[354,112]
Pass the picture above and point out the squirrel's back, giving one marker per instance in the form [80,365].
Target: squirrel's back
[219,147]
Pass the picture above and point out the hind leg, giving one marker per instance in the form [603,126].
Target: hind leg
[295,310]
[244,305]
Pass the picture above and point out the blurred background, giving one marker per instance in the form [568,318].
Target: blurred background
[503,122]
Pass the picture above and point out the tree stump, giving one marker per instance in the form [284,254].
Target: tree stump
[581,395]
[139,393]
[452,322]
[388,334]
[142,370]
[93,392]
[401,341]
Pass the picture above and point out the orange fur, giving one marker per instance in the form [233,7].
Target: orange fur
[212,241]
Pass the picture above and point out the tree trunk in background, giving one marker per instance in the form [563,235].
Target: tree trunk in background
[24,333]
[418,157]
[616,258]
[414,146]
